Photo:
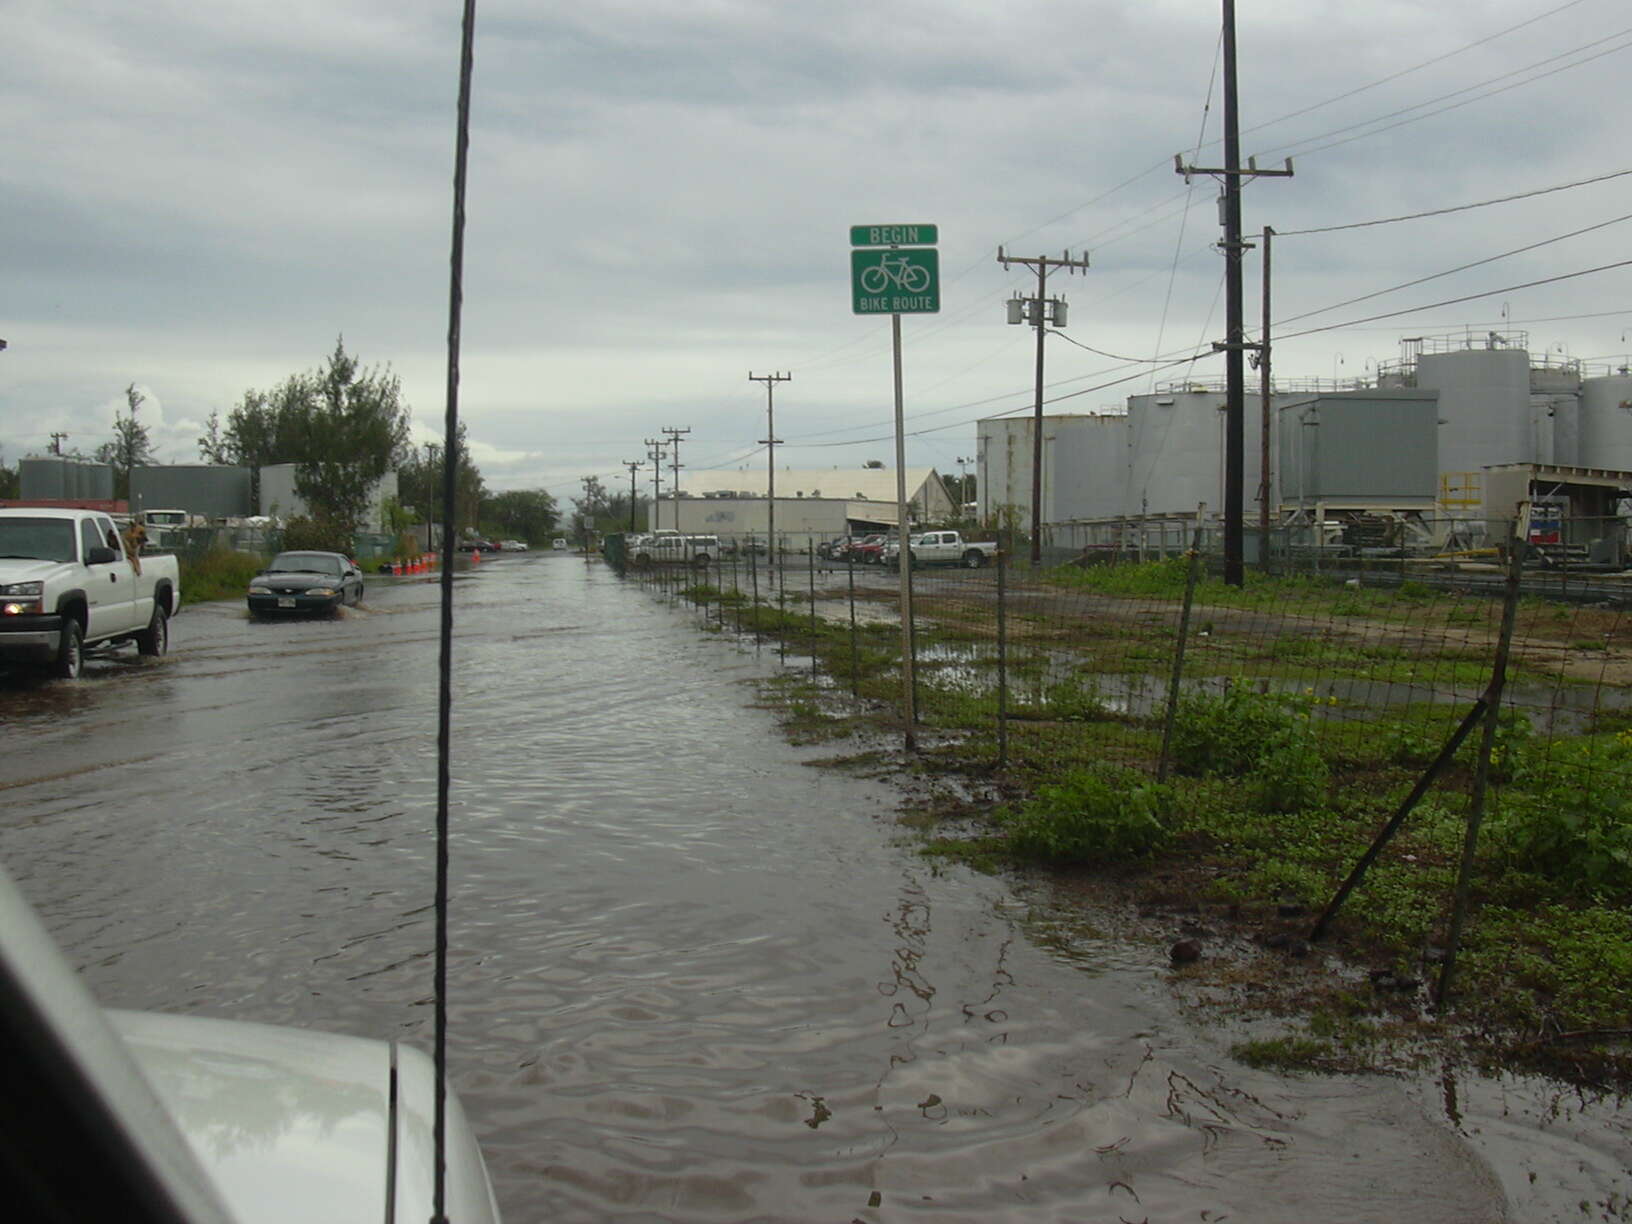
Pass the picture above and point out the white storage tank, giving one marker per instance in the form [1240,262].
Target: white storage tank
[1176,452]
[1084,465]
[1605,423]
[1566,412]
[1484,406]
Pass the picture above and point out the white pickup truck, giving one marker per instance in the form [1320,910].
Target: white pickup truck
[944,548]
[67,581]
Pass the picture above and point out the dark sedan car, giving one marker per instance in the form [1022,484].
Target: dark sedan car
[305,582]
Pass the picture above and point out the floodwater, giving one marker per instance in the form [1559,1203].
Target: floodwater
[693,978]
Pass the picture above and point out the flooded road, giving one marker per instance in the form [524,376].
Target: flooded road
[693,978]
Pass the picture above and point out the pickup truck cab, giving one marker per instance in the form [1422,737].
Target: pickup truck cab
[948,548]
[68,581]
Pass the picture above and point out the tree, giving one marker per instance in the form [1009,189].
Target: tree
[130,447]
[353,432]
[419,484]
[522,514]
[213,446]
[10,481]
[343,427]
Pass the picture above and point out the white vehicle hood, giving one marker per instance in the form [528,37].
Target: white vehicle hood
[297,1125]
[20,569]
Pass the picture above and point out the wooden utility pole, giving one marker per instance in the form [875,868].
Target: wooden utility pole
[654,452]
[674,450]
[770,442]
[1234,343]
[1041,311]
[632,464]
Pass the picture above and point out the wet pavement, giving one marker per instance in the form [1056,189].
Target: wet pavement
[693,978]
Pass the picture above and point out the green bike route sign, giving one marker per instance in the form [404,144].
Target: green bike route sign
[894,281]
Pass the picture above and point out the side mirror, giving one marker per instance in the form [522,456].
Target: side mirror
[100,555]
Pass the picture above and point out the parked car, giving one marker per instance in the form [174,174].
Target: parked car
[512,545]
[834,550]
[305,582]
[673,546]
[870,551]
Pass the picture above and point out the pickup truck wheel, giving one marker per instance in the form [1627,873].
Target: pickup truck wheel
[71,653]
[155,639]
[974,559]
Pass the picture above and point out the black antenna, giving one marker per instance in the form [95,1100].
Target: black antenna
[450,468]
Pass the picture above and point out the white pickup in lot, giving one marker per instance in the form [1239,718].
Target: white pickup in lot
[67,582]
[946,548]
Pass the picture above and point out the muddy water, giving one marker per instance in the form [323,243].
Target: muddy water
[693,978]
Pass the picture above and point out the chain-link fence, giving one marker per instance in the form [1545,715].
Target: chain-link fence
[1455,704]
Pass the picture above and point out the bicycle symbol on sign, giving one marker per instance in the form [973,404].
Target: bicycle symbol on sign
[897,270]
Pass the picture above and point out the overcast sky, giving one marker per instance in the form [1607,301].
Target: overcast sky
[199,198]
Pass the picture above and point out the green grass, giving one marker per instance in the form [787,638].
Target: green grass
[218,575]
[1278,785]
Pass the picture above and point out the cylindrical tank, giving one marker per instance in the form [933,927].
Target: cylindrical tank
[1605,426]
[1566,410]
[1543,448]
[1484,406]
[1176,452]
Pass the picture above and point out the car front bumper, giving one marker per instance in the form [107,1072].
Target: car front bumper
[273,605]
[30,639]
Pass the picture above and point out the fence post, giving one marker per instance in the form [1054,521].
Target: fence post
[753,579]
[855,658]
[1002,660]
[1177,673]
[1481,772]
[779,566]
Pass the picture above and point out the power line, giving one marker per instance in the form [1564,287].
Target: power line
[1296,149]
[1455,208]
[1427,63]
[1453,271]
[1471,297]
[1268,123]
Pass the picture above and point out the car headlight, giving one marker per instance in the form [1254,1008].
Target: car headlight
[320,591]
[256,588]
[22,590]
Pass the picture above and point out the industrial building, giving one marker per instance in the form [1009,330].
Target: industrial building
[212,492]
[818,503]
[1450,438]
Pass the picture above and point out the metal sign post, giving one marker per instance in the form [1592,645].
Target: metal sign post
[895,281]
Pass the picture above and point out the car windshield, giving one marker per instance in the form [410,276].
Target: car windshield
[305,563]
[39,539]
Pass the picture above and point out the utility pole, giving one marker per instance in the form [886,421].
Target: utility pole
[674,450]
[770,441]
[592,494]
[632,465]
[1234,344]
[654,452]
[56,443]
[1264,393]
[1039,312]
